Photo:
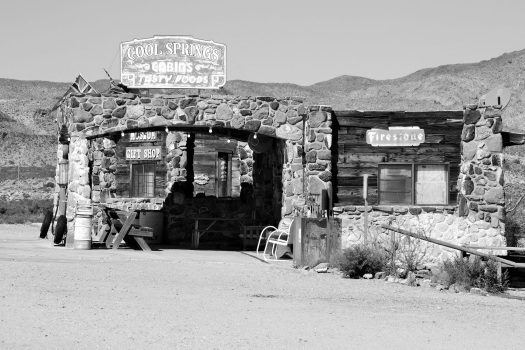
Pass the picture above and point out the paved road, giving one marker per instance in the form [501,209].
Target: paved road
[58,298]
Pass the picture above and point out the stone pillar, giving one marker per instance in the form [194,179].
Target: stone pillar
[295,185]
[245,163]
[176,159]
[481,198]
[79,189]
[317,148]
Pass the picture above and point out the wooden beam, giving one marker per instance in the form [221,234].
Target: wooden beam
[453,246]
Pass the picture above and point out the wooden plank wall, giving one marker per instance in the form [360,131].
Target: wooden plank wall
[355,157]
[123,173]
[205,162]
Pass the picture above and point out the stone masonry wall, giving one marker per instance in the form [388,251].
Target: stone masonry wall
[95,115]
[441,223]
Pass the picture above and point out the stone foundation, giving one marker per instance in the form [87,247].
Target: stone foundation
[441,223]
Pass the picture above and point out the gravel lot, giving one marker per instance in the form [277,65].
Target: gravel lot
[58,298]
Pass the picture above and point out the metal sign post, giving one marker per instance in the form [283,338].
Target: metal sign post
[365,192]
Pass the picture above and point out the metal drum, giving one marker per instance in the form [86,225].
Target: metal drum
[83,223]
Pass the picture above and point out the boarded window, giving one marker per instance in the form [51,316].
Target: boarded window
[409,184]
[431,184]
[143,180]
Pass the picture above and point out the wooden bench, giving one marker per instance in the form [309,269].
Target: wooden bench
[123,229]
[250,235]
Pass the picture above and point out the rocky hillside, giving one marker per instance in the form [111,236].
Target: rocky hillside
[28,134]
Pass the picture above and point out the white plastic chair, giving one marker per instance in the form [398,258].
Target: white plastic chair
[276,236]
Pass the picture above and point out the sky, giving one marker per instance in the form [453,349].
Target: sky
[282,41]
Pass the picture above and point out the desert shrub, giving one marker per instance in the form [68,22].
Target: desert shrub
[513,230]
[361,259]
[23,211]
[336,259]
[471,273]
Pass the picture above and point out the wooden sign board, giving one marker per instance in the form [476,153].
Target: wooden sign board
[173,62]
[148,136]
[395,137]
[144,153]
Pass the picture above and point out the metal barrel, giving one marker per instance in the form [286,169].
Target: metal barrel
[83,223]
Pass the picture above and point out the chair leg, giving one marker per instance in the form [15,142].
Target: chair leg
[274,251]
[266,248]
[258,246]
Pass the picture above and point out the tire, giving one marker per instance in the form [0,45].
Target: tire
[60,229]
[48,217]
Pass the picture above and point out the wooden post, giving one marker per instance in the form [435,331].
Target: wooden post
[393,256]
[62,201]
[365,192]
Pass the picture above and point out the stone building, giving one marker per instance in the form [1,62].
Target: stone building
[262,158]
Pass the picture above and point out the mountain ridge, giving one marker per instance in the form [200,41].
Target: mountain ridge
[24,103]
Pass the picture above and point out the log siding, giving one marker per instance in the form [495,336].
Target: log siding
[353,157]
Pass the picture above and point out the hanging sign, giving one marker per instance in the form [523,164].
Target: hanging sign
[144,153]
[395,136]
[148,136]
[173,62]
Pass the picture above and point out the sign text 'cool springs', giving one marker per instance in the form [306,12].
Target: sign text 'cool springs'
[173,62]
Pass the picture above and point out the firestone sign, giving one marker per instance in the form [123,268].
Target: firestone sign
[395,136]
[173,62]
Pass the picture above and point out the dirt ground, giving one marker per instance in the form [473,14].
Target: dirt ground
[59,298]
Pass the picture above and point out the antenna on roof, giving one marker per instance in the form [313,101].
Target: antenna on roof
[119,85]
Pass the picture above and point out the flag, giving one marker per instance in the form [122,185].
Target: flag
[82,86]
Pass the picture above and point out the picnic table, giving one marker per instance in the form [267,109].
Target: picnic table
[124,227]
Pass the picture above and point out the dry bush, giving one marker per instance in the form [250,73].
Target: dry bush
[471,273]
[361,259]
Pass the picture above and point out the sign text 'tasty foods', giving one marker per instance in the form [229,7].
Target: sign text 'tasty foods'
[173,62]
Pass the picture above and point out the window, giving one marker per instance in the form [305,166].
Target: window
[142,180]
[413,184]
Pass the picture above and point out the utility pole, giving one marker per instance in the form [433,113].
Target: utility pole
[18,181]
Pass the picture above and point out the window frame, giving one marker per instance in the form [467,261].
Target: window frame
[413,182]
[133,192]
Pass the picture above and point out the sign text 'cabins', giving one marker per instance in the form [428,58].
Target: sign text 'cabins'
[173,62]
[395,136]
[143,153]
[148,136]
